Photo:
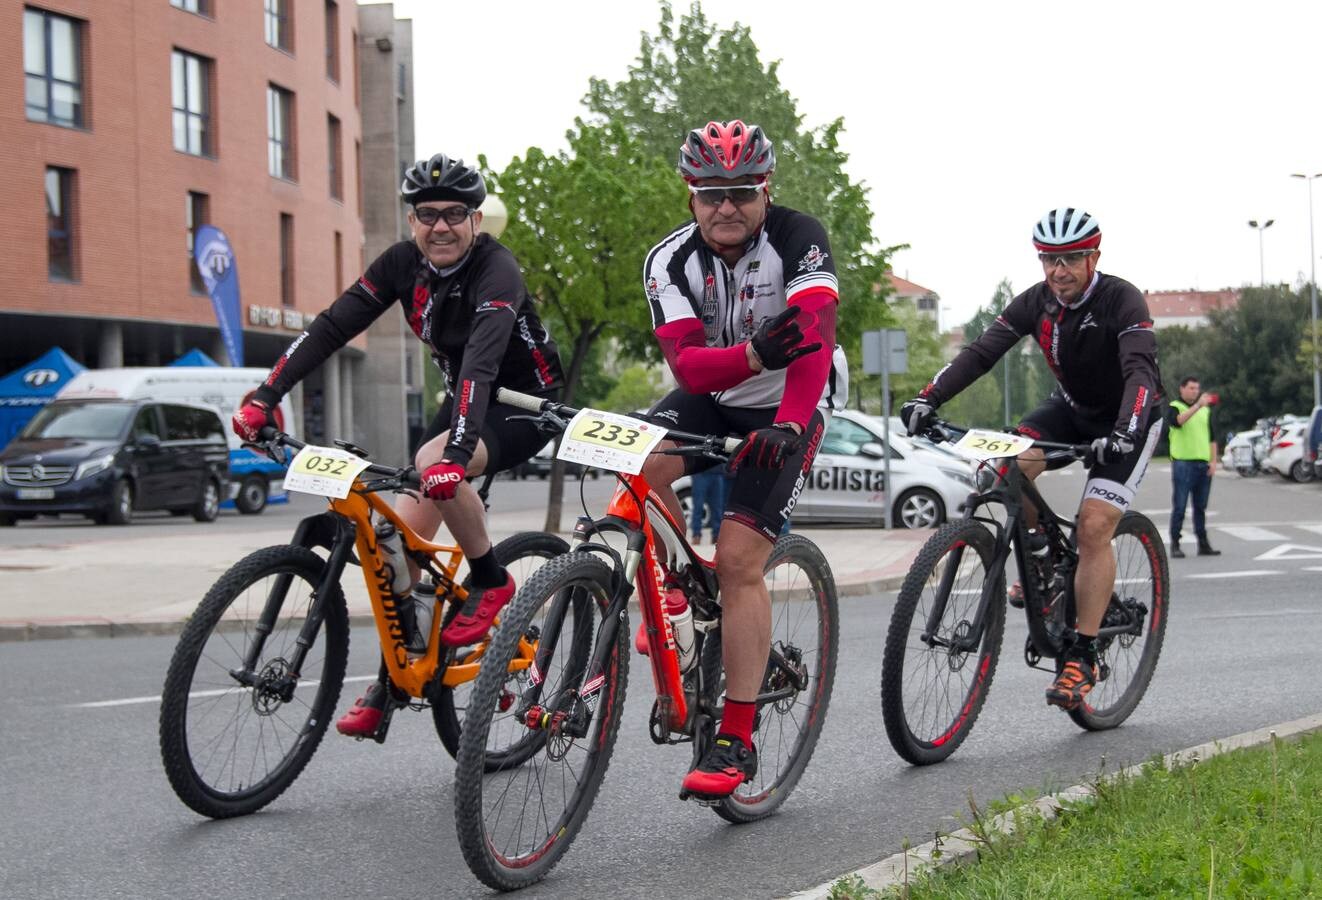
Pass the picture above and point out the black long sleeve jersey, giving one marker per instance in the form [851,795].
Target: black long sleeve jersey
[1101,349]
[476,317]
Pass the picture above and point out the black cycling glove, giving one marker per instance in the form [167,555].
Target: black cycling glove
[767,448]
[777,341]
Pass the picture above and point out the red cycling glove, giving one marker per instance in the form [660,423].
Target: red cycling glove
[767,448]
[250,419]
[439,482]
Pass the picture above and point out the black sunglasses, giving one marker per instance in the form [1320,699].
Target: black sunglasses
[430,215]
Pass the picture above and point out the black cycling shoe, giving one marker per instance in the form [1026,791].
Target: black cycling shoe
[727,764]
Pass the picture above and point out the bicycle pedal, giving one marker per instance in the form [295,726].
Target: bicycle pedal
[706,800]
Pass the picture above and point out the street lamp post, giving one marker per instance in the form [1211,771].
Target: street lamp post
[1253,223]
[1312,286]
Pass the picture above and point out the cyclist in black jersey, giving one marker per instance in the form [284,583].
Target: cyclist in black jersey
[1096,334]
[464,297]
[743,300]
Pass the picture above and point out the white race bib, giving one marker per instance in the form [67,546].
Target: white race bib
[606,440]
[979,444]
[325,471]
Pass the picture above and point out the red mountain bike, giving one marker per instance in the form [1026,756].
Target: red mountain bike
[517,821]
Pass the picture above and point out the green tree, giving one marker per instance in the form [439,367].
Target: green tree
[638,387]
[581,223]
[691,72]
[924,351]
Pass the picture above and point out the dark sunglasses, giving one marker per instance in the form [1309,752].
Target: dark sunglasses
[716,195]
[430,215]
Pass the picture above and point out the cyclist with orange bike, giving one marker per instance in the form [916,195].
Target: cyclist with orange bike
[464,297]
[743,300]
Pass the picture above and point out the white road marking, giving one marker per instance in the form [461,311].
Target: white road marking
[1245,574]
[1251,533]
[130,701]
[1290,551]
[1316,529]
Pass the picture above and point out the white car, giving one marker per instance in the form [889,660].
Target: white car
[1244,453]
[848,478]
[1286,457]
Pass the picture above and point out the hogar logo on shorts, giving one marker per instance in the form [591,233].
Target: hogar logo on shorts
[813,259]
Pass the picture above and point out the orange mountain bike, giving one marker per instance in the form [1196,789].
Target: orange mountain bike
[516,818]
[257,672]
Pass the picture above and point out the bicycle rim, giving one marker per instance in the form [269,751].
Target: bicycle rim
[805,631]
[508,743]
[517,821]
[1128,661]
[931,693]
[229,748]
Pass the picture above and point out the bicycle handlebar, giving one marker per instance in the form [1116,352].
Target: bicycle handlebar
[269,439]
[948,431]
[558,413]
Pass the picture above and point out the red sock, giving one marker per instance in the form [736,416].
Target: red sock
[738,720]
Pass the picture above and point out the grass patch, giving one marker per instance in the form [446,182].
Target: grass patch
[1247,823]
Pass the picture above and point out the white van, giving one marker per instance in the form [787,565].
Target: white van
[255,479]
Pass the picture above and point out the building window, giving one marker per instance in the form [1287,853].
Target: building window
[357,87]
[286,259]
[358,175]
[279,33]
[332,41]
[195,216]
[59,224]
[191,98]
[336,161]
[280,132]
[52,64]
[201,7]
[339,261]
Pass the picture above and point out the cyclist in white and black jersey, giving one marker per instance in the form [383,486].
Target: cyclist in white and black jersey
[743,301]
[463,295]
[1096,334]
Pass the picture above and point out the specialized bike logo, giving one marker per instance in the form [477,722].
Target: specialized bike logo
[813,259]
[40,377]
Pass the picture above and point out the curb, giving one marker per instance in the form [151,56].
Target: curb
[962,846]
[106,628]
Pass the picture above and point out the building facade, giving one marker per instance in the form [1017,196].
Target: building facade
[134,122]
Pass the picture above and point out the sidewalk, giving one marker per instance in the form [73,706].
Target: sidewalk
[133,582]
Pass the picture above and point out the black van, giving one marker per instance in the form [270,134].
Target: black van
[107,458]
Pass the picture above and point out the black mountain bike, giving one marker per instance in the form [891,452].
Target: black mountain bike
[945,633]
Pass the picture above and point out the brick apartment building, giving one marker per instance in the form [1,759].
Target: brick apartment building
[132,122]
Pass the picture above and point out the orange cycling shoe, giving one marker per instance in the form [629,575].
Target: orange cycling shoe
[474,620]
[727,764]
[1076,679]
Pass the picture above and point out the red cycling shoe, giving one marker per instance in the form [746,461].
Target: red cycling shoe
[474,620]
[369,717]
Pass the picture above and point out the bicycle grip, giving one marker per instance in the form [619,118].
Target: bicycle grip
[522,401]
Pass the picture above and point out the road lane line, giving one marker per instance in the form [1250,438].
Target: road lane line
[1245,574]
[131,701]
[1251,533]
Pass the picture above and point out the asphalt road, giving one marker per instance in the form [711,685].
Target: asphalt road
[89,813]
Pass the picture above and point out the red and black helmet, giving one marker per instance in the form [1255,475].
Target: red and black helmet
[726,150]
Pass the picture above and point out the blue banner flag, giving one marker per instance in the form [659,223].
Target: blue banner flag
[215,260]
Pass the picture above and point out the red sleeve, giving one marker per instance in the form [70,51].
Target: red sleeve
[805,378]
[700,369]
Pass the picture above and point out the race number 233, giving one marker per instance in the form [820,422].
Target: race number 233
[608,434]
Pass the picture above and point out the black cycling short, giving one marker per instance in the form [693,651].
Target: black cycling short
[1114,483]
[508,443]
[761,499]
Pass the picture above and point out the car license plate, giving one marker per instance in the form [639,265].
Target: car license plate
[36,493]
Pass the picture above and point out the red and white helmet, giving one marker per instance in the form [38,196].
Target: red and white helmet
[726,150]
[1067,228]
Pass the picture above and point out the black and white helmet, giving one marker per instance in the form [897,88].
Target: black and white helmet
[1067,228]
[442,178]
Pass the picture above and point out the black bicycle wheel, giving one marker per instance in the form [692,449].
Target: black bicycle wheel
[805,634]
[931,693]
[1142,595]
[509,743]
[514,824]
[229,748]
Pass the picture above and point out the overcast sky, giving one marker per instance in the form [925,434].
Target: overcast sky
[1173,123]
